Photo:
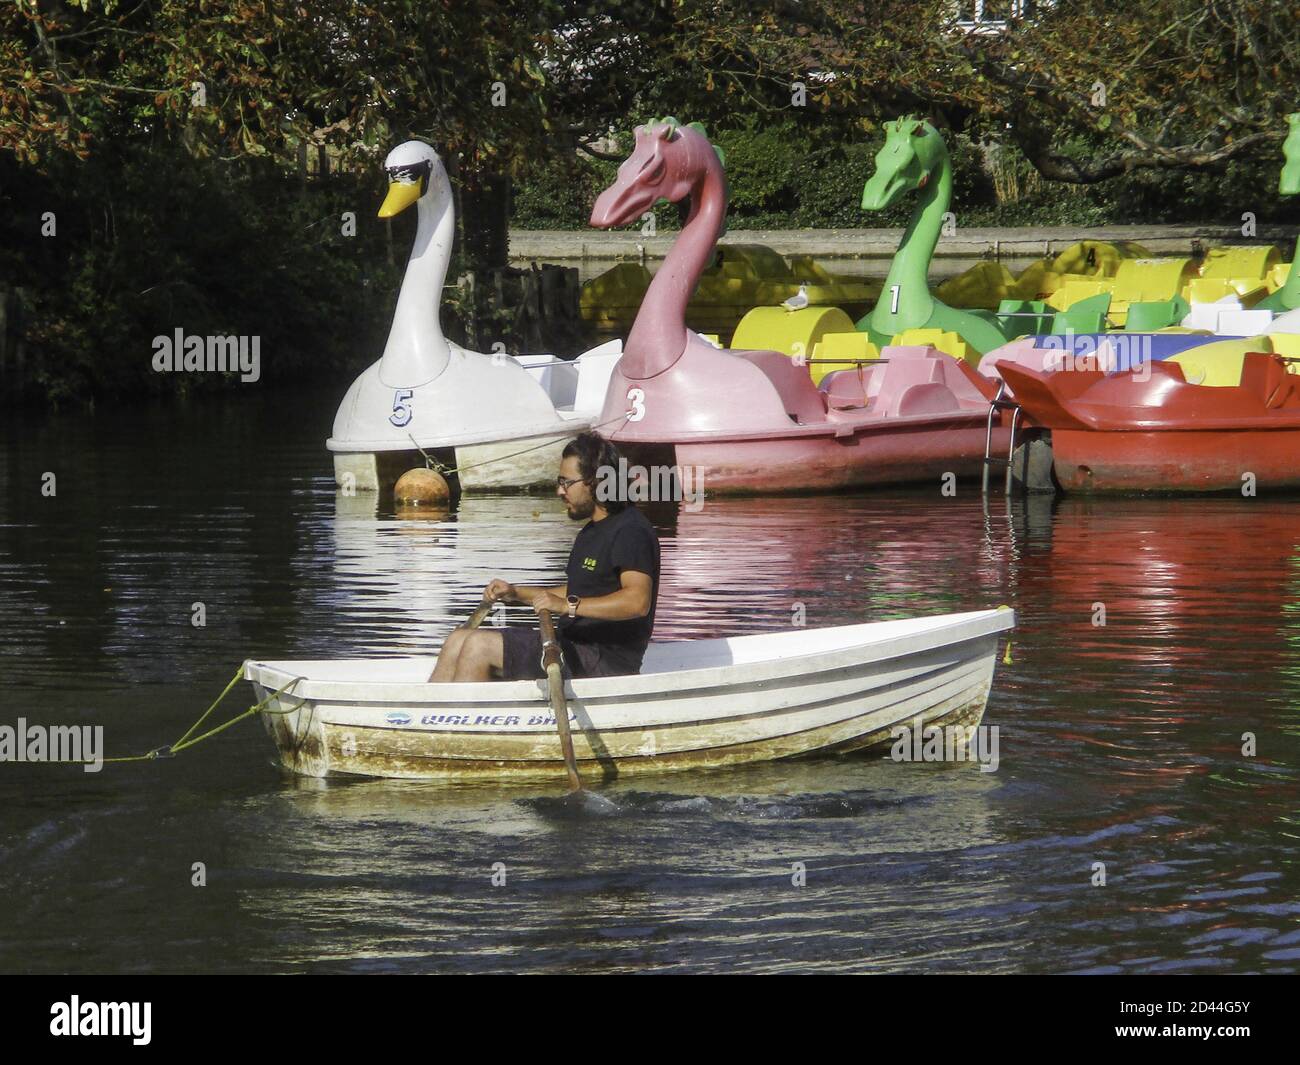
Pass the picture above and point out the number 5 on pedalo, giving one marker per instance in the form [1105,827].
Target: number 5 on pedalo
[102,1018]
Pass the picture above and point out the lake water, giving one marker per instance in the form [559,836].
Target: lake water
[1120,743]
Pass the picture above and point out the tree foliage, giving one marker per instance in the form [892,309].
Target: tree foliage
[108,107]
[1183,83]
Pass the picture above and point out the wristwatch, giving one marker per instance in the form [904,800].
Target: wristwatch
[573,606]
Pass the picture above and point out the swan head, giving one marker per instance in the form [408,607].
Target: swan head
[668,162]
[410,167]
[913,153]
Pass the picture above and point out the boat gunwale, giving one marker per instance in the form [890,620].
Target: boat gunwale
[974,625]
[843,425]
[1266,422]
[939,676]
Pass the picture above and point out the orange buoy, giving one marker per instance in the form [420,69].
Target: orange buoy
[420,487]
[426,513]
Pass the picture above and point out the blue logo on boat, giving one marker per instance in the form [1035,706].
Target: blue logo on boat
[398,719]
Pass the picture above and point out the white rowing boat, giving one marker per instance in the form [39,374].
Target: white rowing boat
[696,703]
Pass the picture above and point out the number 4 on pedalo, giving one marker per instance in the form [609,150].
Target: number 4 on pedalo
[102,1018]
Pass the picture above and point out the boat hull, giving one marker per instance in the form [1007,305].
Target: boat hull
[505,464]
[752,422]
[1177,461]
[524,463]
[892,454]
[1160,433]
[843,700]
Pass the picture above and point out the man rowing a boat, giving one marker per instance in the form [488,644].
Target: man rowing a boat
[604,612]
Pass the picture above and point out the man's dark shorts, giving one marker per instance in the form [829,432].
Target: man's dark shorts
[521,657]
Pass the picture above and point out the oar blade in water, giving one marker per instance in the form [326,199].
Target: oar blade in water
[574,804]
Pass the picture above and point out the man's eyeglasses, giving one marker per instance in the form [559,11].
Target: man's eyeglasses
[564,483]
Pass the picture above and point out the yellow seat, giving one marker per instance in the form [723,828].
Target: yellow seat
[1219,364]
[794,332]
[1036,281]
[1077,289]
[851,347]
[1288,346]
[1095,258]
[1148,281]
[1145,280]
[1078,266]
[1277,276]
[1212,289]
[1241,263]
[616,295]
[949,343]
[739,271]
[983,285]
[1209,289]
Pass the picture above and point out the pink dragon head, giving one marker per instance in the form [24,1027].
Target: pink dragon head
[669,161]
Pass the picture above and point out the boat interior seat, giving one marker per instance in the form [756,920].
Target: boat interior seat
[914,382]
[1083,316]
[558,379]
[1152,280]
[931,398]
[803,401]
[1240,261]
[959,376]
[1149,315]
[1018,318]
[836,351]
[848,389]
[595,368]
[949,342]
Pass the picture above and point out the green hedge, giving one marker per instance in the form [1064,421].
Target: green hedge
[785,176]
[149,240]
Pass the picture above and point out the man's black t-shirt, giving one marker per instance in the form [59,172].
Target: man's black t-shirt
[602,551]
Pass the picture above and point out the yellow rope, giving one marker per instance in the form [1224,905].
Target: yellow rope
[168,750]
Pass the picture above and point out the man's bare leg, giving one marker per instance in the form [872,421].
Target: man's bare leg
[445,670]
[481,652]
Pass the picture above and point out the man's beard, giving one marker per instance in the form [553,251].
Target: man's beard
[582,510]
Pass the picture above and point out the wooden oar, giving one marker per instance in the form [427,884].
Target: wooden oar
[475,620]
[559,704]
[483,610]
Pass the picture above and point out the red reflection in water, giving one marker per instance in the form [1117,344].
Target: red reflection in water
[1184,586]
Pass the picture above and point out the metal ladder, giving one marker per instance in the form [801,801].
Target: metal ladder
[1000,403]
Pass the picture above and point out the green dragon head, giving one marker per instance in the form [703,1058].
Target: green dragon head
[912,156]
